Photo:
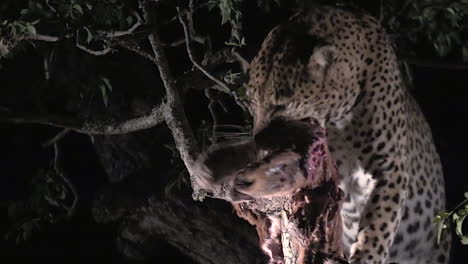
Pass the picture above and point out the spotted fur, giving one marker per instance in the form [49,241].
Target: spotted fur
[340,68]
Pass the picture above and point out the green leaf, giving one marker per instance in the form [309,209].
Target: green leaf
[440,228]
[225,7]
[78,8]
[105,87]
[235,35]
[89,35]
[466,193]
[451,11]
[464,240]
[31,29]
[459,225]
[104,94]
[107,82]
[129,20]
[441,217]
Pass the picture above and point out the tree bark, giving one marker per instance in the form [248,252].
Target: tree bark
[208,232]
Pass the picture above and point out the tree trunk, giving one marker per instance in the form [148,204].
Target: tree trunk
[208,231]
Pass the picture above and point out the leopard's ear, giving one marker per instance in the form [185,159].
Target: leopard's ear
[321,59]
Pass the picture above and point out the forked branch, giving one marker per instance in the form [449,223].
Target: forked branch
[175,115]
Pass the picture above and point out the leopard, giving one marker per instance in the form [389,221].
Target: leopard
[339,67]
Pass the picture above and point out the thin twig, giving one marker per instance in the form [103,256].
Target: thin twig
[116,34]
[137,50]
[56,157]
[94,52]
[46,65]
[245,65]
[190,13]
[222,85]
[408,75]
[184,12]
[214,115]
[179,42]
[56,138]
[381,11]
[41,37]
[58,170]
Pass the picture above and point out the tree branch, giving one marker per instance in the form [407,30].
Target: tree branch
[137,50]
[115,34]
[175,115]
[48,38]
[222,86]
[90,51]
[176,218]
[244,63]
[104,127]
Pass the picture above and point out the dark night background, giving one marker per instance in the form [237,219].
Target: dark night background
[442,94]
